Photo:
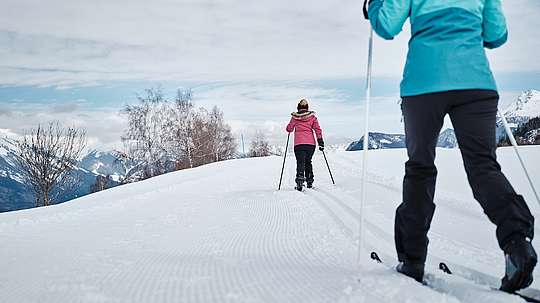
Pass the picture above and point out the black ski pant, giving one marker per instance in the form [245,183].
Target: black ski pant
[473,115]
[303,154]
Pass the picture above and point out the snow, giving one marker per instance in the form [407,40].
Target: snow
[223,233]
[527,104]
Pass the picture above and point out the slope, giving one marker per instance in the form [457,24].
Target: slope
[223,233]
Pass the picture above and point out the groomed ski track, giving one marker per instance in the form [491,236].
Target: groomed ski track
[223,233]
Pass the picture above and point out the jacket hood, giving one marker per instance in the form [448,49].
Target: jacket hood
[302,114]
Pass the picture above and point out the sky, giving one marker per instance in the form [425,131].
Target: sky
[81,62]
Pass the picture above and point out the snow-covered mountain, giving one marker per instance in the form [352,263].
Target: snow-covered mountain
[521,110]
[379,141]
[12,191]
[100,163]
[13,194]
[223,233]
[447,139]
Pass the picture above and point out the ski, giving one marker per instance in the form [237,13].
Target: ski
[444,268]
[449,286]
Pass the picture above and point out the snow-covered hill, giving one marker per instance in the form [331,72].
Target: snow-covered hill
[521,110]
[223,233]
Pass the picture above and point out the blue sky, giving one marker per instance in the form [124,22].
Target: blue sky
[80,61]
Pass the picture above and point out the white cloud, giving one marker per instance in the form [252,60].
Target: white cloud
[5,111]
[66,43]
[67,107]
[71,43]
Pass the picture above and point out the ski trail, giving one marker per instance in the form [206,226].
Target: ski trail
[213,247]
[451,229]
[379,240]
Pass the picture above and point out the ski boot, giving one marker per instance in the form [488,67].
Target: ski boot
[415,271]
[309,180]
[299,183]
[520,261]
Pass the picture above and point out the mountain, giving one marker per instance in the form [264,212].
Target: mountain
[521,110]
[100,163]
[13,193]
[447,139]
[526,134]
[379,141]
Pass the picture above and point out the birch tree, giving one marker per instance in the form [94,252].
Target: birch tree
[259,146]
[144,142]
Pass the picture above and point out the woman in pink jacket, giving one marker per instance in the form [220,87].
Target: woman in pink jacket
[303,123]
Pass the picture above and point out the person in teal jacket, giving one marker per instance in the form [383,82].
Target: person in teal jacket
[447,72]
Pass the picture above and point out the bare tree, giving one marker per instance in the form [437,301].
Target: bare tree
[169,135]
[47,161]
[144,152]
[199,136]
[259,146]
[102,183]
[221,138]
[183,124]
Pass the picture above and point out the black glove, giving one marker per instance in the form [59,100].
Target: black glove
[321,143]
[366,6]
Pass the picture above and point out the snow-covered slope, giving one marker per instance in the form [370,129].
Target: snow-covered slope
[223,233]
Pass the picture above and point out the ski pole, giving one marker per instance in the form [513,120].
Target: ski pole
[514,144]
[284,156]
[328,168]
[364,161]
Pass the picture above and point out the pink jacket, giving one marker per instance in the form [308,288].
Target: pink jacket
[303,123]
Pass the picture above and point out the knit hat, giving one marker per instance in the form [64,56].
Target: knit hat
[302,105]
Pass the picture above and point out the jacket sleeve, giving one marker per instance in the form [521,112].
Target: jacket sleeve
[387,17]
[290,127]
[494,24]
[317,128]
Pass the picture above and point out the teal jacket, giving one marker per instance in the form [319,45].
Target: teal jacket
[446,50]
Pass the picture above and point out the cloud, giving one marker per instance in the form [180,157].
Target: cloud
[5,111]
[67,107]
[197,40]
[65,44]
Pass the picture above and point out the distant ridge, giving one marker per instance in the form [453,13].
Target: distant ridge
[447,139]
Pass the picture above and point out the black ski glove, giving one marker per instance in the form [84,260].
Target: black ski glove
[366,6]
[321,143]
